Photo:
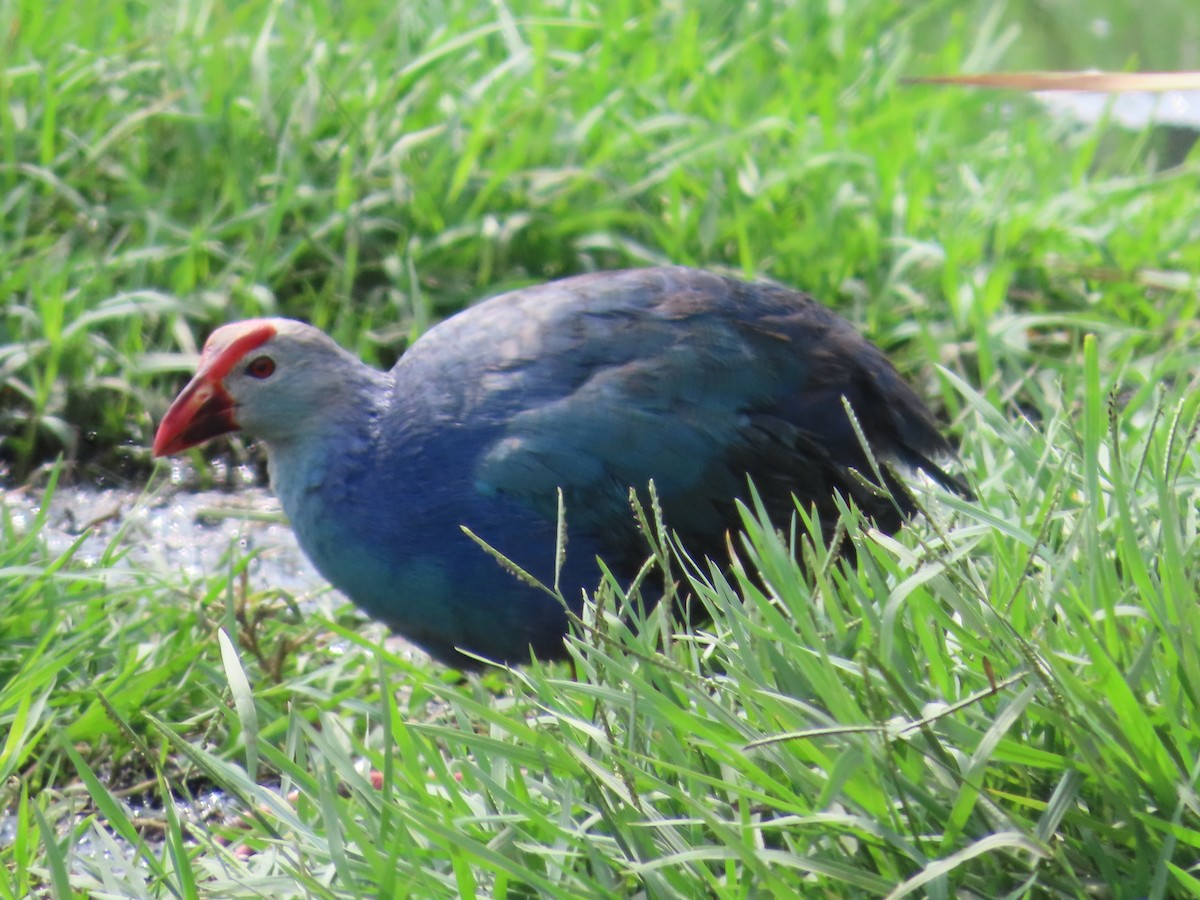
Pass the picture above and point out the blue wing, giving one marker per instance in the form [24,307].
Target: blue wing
[600,383]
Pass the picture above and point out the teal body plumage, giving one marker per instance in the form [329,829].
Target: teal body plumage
[593,384]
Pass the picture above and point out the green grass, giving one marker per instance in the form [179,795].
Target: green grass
[1000,701]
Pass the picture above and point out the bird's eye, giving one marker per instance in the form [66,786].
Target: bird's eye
[261,367]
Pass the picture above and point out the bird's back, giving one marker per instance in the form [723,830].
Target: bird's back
[599,383]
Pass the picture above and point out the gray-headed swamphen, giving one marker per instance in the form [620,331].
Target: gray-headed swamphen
[593,384]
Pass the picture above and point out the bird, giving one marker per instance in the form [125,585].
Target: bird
[592,386]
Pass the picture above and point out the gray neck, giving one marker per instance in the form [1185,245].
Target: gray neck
[326,458]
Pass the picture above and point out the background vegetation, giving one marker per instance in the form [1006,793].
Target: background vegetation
[1001,701]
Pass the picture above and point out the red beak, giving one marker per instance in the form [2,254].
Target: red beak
[202,410]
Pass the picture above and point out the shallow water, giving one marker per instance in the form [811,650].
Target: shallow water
[181,533]
[171,530]
[1131,109]
[185,534]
